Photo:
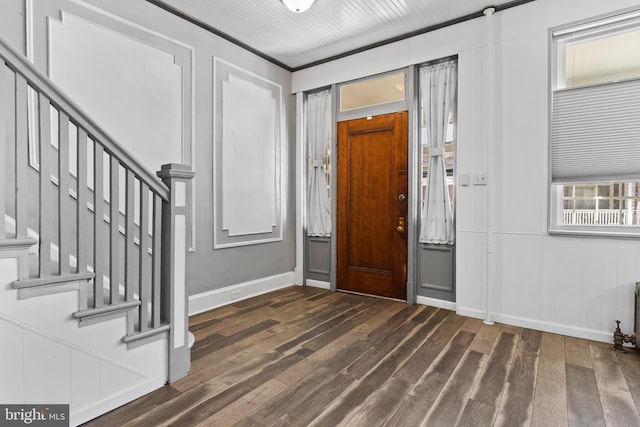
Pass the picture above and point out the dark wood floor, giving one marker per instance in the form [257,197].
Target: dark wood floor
[305,356]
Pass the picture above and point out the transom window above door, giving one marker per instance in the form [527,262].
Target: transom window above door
[379,90]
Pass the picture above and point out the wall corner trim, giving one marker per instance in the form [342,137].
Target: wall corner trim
[209,300]
[298,276]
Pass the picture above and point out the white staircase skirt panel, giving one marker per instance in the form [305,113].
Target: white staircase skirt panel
[11,364]
[249,163]
[46,357]
[103,71]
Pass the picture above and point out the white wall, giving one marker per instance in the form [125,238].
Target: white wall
[572,285]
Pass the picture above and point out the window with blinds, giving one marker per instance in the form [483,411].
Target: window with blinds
[595,126]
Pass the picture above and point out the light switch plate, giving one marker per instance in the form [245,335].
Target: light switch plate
[480,179]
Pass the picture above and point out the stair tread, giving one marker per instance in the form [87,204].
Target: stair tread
[121,306]
[13,243]
[51,280]
[147,333]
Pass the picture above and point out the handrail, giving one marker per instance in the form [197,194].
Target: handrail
[61,101]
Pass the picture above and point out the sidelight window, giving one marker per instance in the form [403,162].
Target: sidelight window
[318,137]
[438,89]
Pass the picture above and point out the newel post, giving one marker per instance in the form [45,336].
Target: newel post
[176,223]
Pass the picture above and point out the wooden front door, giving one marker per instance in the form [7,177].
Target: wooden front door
[372,205]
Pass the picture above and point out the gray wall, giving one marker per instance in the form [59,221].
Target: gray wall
[317,253]
[436,272]
[208,269]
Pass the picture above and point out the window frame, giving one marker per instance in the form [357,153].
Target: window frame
[559,37]
[557,212]
[374,109]
[590,29]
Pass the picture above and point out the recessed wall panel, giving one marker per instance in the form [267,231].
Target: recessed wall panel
[248,148]
[133,90]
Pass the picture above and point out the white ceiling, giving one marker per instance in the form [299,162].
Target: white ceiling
[330,28]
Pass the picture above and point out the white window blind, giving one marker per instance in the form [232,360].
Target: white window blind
[595,132]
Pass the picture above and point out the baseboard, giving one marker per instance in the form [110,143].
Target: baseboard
[471,312]
[447,305]
[87,413]
[539,325]
[318,284]
[219,297]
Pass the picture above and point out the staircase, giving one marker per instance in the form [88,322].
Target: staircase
[92,256]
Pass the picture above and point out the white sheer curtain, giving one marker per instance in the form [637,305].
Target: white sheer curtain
[437,92]
[318,141]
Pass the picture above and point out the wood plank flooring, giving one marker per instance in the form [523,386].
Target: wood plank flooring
[308,357]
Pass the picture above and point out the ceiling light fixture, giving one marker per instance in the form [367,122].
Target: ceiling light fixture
[298,6]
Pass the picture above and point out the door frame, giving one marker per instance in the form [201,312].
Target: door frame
[410,104]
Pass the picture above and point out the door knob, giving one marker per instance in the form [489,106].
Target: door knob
[400,226]
[402,197]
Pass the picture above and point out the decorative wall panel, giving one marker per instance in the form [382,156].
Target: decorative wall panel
[247,157]
[248,150]
[133,90]
[137,84]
